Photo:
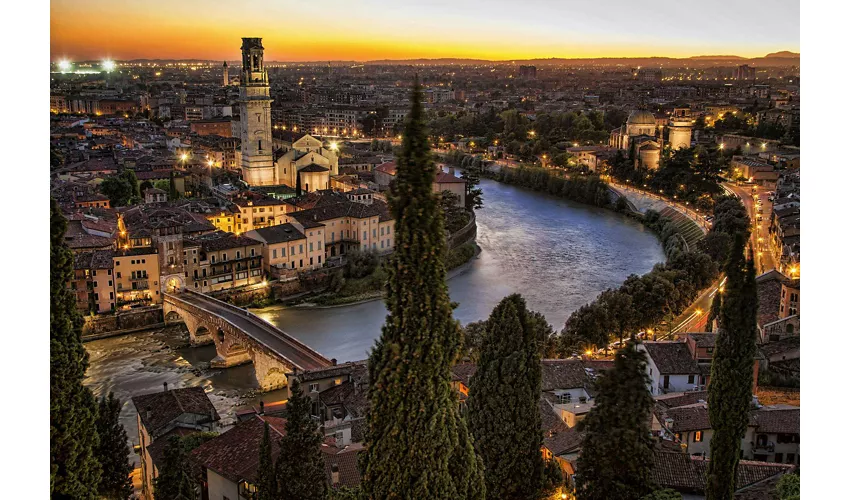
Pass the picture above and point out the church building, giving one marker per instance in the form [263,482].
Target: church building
[306,161]
[641,132]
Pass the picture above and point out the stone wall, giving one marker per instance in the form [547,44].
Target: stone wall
[464,235]
[133,319]
[244,296]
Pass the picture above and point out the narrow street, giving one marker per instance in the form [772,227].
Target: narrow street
[759,238]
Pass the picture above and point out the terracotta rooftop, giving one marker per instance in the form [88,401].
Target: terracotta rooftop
[235,454]
[159,409]
[684,473]
[671,358]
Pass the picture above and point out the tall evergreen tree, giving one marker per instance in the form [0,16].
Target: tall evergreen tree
[266,478]
[298,184]
[74,468]
[730,389]
[175,480]
[301,469]
[616,453]
[416,446]
[113,451]
[504,403]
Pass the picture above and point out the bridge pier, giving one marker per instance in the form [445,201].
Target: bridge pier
[229,354]
[270,372]
[240,337]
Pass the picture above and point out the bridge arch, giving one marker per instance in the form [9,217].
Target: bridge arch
[241,337]
[172,317]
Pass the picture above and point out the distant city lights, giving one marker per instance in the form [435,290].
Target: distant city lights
[108,65]
[64,65]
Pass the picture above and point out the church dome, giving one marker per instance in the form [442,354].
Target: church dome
[641,117]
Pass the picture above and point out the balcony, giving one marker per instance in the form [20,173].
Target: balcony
[768,447]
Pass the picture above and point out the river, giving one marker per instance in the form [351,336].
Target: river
[558,254]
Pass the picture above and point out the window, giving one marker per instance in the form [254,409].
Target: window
[789,459]
[274,253]
[690,379]
[666,381]
[779,458]
[698,437]
[314,387]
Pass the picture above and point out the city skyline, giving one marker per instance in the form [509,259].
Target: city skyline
[435,29]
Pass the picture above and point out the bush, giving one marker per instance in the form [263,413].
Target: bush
[360,264]
[460,255]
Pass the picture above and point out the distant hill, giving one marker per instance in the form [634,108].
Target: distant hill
[784,53]
[720,58]
[782,58]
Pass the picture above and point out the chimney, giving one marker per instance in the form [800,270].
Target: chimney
[333,361]
[334,474]
[165,386]
[148,412]
[262,408]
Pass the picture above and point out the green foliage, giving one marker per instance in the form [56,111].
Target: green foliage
[360,264]
[112,451]
[788,487]
[74,468]
[730,392]
[665,494]
[456,216]
[504,411]
[589,189]
[300,467]
[175,480]
[121,188]
[417,444]
[345,493]
[616,451]
[191,441]
[267,487]
[460,255]
[473,339]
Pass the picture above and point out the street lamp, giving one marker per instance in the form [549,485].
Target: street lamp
[64,65]
[108,65]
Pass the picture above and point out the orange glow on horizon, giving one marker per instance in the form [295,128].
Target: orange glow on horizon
[192,29]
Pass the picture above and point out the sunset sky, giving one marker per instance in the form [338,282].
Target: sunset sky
[373,29]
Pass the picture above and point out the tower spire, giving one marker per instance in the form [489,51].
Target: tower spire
[255,117]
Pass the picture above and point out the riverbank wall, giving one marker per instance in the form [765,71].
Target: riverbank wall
[121,322]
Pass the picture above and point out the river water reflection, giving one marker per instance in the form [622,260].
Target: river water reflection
[557,254]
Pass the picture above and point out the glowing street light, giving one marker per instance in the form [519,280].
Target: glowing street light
[64,65]
[334,146]
[108,65]
[184,157]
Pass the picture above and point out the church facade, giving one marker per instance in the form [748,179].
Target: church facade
[642,135]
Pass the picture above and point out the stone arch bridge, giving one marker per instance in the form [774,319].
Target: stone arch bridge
[241,337]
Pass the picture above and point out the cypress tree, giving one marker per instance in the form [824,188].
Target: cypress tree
[175,480]
[298,184]
[616,452]
[301,468]
[416,444]
[266,480]
[112,451]
[504,403]
[74,469]
[730,389]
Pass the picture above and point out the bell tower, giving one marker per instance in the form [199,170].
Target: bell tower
[225,77]
[255,117]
